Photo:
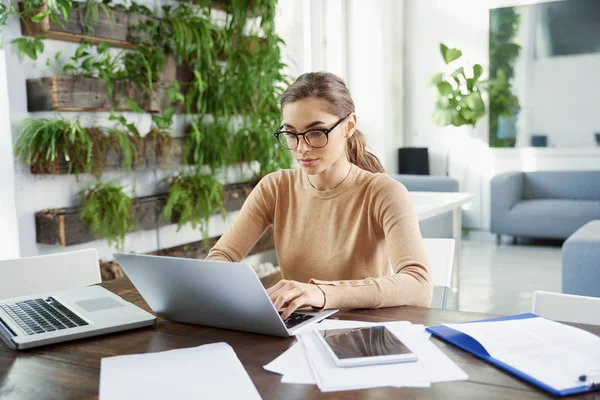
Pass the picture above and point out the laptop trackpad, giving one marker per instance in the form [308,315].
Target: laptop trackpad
[99,304]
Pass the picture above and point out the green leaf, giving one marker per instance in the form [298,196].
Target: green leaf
[103,47]
[448,54]
[477,71]
[38,17]
[444,88]
[87,64]
[81,50]
[133,105]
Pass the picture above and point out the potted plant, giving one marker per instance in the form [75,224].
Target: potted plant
[107,212]
[41,142]
[194,197]
[459,100]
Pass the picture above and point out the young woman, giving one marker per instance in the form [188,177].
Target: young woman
[346,234]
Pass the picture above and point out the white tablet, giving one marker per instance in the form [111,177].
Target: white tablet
[364,346]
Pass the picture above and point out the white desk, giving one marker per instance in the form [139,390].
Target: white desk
[431,204]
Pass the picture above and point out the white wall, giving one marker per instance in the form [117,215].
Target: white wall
[374,66]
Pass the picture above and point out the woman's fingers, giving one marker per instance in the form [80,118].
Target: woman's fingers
[294,305]
[284,296]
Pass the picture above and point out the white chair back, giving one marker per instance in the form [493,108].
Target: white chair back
[48,273]
[566,307]
[441,260]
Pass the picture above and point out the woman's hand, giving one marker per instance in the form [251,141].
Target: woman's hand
[292,295]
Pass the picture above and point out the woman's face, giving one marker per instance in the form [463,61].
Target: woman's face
[308,114]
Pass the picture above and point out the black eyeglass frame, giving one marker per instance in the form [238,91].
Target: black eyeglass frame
[303,134]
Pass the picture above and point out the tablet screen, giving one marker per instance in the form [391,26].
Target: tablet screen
[364,342]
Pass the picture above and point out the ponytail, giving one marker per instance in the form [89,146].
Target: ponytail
[356,151]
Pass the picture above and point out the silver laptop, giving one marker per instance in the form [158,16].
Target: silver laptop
[211,293]
[37,320]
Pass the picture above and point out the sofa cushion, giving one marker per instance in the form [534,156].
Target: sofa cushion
[578,185]
[581,261]
[551,218]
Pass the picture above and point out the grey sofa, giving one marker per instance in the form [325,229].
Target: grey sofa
[581,261]
[436,227]
[544,204]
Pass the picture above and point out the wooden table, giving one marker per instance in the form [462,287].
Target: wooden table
[72,370]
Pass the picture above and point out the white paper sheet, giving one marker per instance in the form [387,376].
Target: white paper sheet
[432,366]
[211,371]
[548,351]
[293,364]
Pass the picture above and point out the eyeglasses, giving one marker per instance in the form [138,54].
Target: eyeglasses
[316,138]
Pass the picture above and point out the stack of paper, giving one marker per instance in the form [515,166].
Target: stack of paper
[308,362]
[211,371]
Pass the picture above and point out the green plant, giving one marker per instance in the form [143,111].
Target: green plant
[142,67]
[30,46]
[89,14]
[188,32]
[459,100]
[107,212]
[40,141]
[58,11]
[242,9]
[194,197]
[126,146]
[207,143]
[504,25]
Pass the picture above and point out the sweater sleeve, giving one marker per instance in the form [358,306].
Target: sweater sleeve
[254,218]
[410,283]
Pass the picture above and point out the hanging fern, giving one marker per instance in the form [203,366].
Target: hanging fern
[194,197]
[40,141]
[107,213]
[207,144]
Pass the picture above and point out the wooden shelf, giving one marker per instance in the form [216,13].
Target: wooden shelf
[117,33]
[78,93]
[148,159]
[63,227]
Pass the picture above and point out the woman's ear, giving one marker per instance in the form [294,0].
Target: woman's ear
[350,126]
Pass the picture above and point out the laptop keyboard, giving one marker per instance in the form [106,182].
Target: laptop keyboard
[296,319]
[42,315]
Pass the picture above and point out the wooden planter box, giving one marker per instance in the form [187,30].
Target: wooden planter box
[63,226]
[148,158]
[118,33]
[77,93]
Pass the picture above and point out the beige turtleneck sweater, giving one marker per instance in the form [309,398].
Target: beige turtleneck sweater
[360,242]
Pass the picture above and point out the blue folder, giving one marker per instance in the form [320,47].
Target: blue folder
[471,345]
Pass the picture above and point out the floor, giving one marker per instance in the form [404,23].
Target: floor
[500,279]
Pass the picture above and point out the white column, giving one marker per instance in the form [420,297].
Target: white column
[374,38]
[9,228]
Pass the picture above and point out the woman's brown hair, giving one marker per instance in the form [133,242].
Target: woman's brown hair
[329,87]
